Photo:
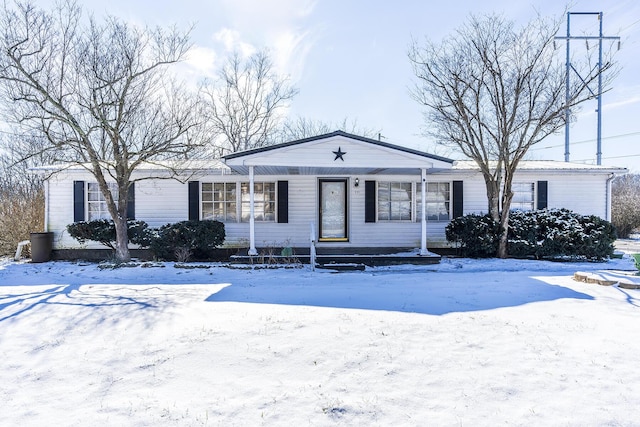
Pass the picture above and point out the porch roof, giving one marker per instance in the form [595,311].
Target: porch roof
[336,153]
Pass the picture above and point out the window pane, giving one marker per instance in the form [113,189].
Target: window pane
[394,201]
[523,196]
[438,201]
[207,211]
[263,197]
[231,211]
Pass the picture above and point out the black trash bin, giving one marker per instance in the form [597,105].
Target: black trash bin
[41,246]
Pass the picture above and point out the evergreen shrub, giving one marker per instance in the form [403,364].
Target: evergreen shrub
[104,231]
[553,233]
[476,235]
[185,239]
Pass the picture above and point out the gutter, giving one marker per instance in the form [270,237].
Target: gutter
[47,200]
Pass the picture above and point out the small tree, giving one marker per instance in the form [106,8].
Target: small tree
[244,103]
[99,93]
[493,91]
[21,193]
[625,204]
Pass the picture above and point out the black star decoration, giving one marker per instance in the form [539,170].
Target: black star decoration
[339,154]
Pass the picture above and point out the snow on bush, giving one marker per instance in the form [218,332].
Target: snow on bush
[553,233]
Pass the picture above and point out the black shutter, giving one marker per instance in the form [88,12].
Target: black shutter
[78,201]
[458,199]
[131,201]
[369,201]
[542,195]
[194,200]
[283,202]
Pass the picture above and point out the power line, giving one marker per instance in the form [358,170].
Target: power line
[624,135]
[600,37]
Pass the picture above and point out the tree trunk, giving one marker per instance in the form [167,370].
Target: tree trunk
[493,195]
[503,250]
[502,243]
[122,239]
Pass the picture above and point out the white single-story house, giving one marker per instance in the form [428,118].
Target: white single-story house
[349,191]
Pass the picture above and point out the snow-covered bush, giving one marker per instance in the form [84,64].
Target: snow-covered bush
[104,231]
[559,233]
[625,204]
[554,233]
[187,238]
[475,235]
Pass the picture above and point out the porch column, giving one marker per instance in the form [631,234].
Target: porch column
[423,222]
[252,222]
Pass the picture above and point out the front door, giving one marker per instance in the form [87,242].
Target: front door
[333,209]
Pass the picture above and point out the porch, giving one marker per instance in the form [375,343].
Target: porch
[338,258]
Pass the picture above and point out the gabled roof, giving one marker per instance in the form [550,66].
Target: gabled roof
[335,153]
[332,134]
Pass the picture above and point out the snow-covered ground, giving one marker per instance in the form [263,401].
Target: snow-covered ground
[465,342]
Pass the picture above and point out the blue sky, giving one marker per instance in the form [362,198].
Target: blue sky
[349,58]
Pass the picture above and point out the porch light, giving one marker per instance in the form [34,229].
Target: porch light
[357,182]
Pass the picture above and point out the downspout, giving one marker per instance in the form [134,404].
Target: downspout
[46,206]
[608,190]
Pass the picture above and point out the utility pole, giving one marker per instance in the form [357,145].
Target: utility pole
[600,37]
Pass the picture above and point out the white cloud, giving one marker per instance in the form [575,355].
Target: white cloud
[232,41]
[202,60]
[279,26]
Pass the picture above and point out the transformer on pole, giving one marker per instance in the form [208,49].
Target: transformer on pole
[597,95]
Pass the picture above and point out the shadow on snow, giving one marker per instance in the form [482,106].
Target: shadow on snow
[423,293]
[15,304]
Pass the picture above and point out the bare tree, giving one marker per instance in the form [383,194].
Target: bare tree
[21,193]
[245,102]
[625,204]
[301,127]
[493,91]
[99,93]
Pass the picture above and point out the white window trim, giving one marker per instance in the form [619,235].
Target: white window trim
[239,200]
[417,193]
[102,200]
[534,195]
[412,202]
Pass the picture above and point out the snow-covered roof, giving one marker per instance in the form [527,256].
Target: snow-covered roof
[545,165]
[213,166]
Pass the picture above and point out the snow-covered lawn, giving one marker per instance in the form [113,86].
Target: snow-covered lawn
[466,342]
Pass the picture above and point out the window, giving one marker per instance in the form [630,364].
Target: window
[438,201]
[264,201]
[523,196]
[394,201]
[219,201]
[96,203]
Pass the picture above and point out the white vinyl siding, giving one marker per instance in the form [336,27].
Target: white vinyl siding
[163,201]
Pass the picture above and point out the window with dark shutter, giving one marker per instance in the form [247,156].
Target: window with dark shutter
[458,199]
[369,201]
[78,201]
[194,200]
[542,195]
[283,202]
[131,201]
